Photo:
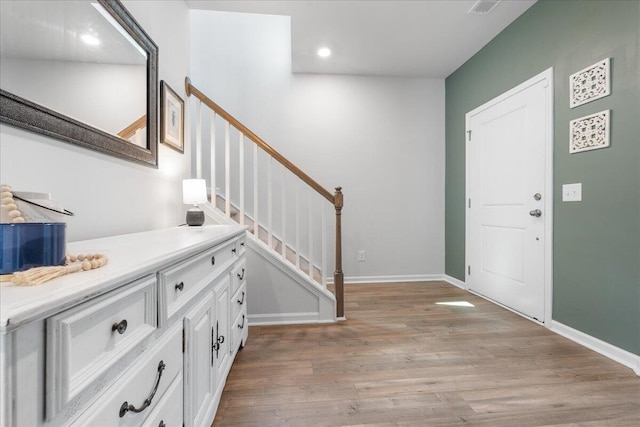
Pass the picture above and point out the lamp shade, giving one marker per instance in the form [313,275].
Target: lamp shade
[194,191]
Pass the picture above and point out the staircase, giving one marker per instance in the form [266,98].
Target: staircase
[285,211]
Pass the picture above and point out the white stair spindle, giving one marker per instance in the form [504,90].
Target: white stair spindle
[256,227]
[227,170]
[270,202]
[241,177]
[310,235]
[213,158]
[199,139]
[297,248]
[284,214]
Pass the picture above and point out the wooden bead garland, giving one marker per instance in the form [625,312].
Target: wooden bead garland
[9,204]
[38,275]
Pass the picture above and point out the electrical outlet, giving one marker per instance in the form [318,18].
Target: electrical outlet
[361,255]
[572,192]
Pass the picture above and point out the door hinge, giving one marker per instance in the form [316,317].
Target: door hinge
[469,135]
[183,341]
[469,203]
[469,270]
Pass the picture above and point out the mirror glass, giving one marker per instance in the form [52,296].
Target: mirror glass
[87,61]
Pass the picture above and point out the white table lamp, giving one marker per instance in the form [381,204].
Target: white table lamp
[194,192]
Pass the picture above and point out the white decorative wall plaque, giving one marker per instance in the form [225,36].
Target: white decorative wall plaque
[590,83]
[589,132]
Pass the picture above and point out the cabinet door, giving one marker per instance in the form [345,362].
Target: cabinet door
[221,296]
[199,362]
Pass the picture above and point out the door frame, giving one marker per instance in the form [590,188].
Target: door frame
[546,75]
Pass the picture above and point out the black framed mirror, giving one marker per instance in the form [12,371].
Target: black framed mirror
[83,72]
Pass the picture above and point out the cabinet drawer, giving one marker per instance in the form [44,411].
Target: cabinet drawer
[239,301]
[169,410]
[239,330]
[143,381]
[85,342]
[238,275]
[241,245]
[183,281]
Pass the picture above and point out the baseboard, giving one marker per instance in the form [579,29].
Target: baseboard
[617,354]
[402,279]
[455,282]
[286,319]
[352,280]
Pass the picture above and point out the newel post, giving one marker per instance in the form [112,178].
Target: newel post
[338,276]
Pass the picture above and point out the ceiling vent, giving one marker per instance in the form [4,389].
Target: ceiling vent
[482,7]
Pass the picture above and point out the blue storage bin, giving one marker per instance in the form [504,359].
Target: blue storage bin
[28,245]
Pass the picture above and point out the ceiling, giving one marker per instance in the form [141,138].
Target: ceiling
[405,38]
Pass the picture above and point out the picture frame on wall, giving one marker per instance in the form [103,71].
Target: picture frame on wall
[171,118]
[590,132]
[591,83]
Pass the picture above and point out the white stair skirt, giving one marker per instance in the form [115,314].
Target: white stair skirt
[277,293]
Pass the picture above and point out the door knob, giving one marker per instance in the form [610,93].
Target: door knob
[536,212]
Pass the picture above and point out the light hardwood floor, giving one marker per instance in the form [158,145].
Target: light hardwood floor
[401,359]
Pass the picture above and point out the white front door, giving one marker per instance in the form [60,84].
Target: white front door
[509,197]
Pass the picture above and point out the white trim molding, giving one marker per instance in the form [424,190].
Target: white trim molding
[617,354]
[352,280]
[357,280]
[455,282]
[286,319]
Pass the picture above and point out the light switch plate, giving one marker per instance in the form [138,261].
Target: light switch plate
[572,192]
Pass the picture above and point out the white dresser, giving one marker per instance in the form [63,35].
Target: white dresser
[146,340]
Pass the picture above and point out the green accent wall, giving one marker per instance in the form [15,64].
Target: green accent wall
[596,242]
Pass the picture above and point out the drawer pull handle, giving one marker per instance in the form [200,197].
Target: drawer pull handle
[162,424]
[213,260]
[233,251]
[241,326]
[241,301]
[126,407]
[216,340]
[241,276]
[121,327]
[180,286]
[241,243]
[216,345]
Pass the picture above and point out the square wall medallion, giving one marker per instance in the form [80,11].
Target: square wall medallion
[589,132]
[589,84]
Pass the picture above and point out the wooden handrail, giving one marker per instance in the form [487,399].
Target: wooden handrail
[192,90]
[130,130]
[337,199]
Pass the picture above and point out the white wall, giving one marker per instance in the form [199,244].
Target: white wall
[381,139]
[110,196]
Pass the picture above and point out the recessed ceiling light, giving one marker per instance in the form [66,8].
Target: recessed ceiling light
[90,40]
[324,52]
